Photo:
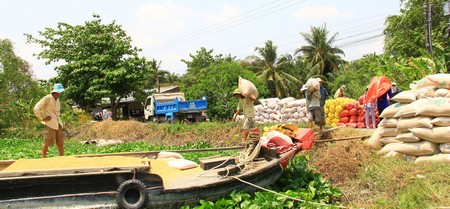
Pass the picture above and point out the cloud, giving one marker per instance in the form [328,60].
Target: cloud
[226,14]
[321,13]
[162,17]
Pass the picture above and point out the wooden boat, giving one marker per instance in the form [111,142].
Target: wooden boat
[133,180]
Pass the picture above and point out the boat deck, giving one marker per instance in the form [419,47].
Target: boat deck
[172,178]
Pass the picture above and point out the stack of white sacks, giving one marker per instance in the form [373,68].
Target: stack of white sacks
[275,110]
[417,128]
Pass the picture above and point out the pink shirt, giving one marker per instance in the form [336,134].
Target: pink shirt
[48,106]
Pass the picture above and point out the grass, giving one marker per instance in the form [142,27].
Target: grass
[370,181]
[365,179]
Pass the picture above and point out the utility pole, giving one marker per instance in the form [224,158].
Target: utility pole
[446,9]
[428,40]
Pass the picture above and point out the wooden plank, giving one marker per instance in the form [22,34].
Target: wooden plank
[217,162]
[342,139]
[230,170]
[78,171]
[5,163]
[154,153]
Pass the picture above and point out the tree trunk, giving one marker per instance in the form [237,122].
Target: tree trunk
[114,105]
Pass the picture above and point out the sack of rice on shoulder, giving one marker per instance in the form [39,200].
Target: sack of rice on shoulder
[247,88]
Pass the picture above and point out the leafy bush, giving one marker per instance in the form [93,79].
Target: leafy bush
[296,181]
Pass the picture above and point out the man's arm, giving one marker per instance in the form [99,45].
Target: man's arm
[38,109]
[235,115]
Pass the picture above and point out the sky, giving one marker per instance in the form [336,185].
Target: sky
[171,30]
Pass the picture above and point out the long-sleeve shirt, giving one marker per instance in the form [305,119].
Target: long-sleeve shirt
[312,99]
[48,106]
[247,107]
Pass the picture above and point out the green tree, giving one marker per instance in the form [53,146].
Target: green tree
[273,70]
[18,91]
[320,52]
[198,63]
[404,33]
[157,73]
[99,61]
[218,85]
[172,79]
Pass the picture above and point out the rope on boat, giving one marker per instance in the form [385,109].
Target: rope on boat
[250,153]
[246,157]
[286,196]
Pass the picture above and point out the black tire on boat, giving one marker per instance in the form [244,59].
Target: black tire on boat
[131,195]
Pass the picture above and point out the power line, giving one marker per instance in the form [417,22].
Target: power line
[232,24]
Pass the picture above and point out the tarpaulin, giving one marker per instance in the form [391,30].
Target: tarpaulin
[378,86]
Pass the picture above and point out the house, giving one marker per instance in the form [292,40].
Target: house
[129,107]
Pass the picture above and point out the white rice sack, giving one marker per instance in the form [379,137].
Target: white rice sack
[407,137]
[266,115]
[258,108]
[272,105]
[442,93]
[169,155]
[296,115]
[394,154]
[435,134]
[445,148]
[274,116]
[240,118]
[388,140]
[390,111]
[285,116]
[374,140]
[415,148]
[265,109]
[296,103]
[305,119]
[441,121]
[264,102]
[302,113]
[313,84]
[384,132]
[182,164]
[435,107]
[433,158]
[405,97]
[289,110]
[388,123]
[247,88]
[283,101]
[441,80]
[404,124]
[292,120]
[411,110]
[259,118]
[426,92]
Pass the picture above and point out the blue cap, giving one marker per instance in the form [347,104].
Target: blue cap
[58,88]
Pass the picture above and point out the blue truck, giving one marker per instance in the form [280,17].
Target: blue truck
[172,107]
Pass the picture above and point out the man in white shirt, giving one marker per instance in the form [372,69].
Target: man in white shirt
[47,110]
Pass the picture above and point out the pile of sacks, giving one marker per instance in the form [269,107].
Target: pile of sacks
[333,109]
[354,116]
[275,110]
[417,128]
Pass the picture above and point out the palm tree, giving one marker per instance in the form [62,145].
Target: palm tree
[272,69]
[157,72]
[320,52]
[172,78]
